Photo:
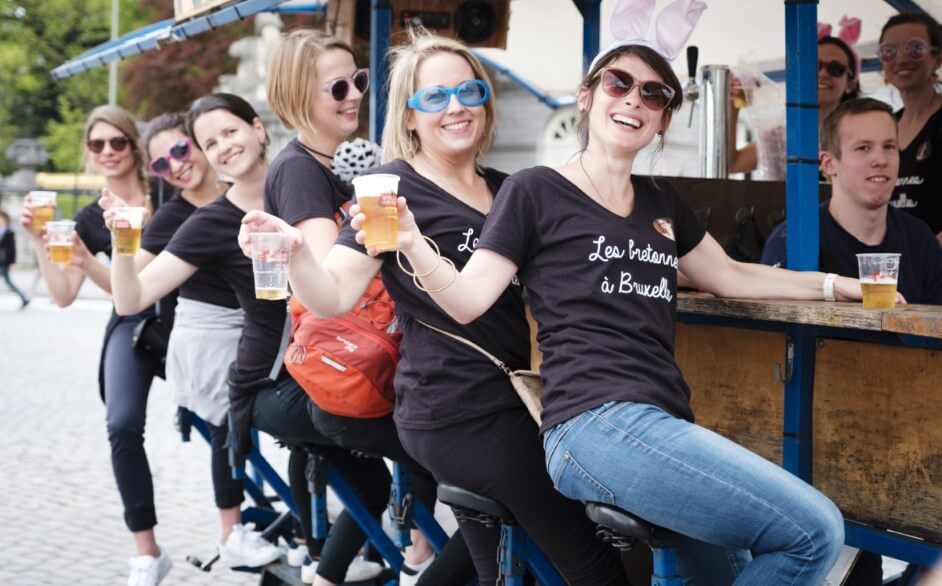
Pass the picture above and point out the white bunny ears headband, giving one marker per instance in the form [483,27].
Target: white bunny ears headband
[633,24]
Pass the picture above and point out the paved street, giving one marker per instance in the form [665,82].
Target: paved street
[60,512]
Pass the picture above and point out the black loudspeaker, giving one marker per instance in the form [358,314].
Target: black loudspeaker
[477,23]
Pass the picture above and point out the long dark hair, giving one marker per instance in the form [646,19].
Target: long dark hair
[163,123]
[852,64]
[231,103]
[653,60]
[932,27]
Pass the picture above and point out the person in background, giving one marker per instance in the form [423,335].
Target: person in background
[8,256]
[838,81]
[112,148]
[909,52]
[860,155]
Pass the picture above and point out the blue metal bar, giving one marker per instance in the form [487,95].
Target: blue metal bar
[512,555]
[665,567]
[256,475]
[222,17]
[591,11]
[429,527]
[272,478]
[369,525]
[540,566]
[315,8]
[890,544]
[554,103]
[907,6]
[401,499]
[799,391]
[380,29]
[801,125]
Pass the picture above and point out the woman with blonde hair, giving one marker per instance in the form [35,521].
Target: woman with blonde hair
[456,413]
[112,148]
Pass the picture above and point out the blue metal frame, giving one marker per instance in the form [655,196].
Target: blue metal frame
[380,30]
[591,11]
[664,561]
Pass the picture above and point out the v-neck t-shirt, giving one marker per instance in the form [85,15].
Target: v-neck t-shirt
[439,381]
[208,240]
[919,184]
[203,285]
[299,187]
[602,287]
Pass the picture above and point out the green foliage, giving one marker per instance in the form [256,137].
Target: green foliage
[35,37]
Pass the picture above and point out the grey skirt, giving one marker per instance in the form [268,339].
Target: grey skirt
[202,345]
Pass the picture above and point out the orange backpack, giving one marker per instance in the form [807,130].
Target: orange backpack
[346,364]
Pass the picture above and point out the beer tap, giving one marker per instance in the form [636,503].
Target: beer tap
[691,89]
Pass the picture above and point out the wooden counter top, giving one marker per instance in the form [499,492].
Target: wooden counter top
[917,320]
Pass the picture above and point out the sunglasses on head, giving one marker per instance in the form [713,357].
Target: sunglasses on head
[835,68]
[340,88]
[654,94]
[914,49]
[436,98]
[178,152]
[118,144]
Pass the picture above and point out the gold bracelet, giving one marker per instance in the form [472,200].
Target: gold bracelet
[438,253]
[454,275]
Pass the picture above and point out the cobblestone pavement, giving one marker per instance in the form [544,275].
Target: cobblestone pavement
[60,511]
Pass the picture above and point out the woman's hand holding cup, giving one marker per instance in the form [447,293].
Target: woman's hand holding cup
[259,221]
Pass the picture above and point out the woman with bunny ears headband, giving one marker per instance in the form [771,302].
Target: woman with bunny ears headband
[599,250]
[838,81]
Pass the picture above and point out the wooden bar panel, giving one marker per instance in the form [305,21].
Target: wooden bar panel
[878,434]
[731,374]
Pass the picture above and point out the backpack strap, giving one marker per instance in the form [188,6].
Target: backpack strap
[497,361]
[282,347]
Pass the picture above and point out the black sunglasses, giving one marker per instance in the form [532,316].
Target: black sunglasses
[340,88]
[654,94]
[118,144]
[835,68]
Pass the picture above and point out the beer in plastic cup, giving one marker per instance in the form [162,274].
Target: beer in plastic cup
[126,232]
[376,195]
[60,241]
[878,276]
[44,208]
[270,255]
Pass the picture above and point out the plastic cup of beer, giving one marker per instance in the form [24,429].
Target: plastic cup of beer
[270,255]
[126,231]
[60,241]
[44,208]
[376,195]
[878,276]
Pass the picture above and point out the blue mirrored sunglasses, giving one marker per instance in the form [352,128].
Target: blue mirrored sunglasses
[471,93]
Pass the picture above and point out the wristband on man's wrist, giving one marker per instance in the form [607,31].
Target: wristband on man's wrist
[828,286]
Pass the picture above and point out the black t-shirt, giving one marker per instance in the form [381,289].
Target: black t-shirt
[920,270]
[90,227]
[208,240]
[203,285]
[298,187]
[919,185]
[603,289]
[439,381]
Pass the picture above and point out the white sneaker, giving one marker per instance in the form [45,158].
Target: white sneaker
[247,548]
[296,556]
[409,576]
[308,571]
[358,571]
[147,570]
[361,569]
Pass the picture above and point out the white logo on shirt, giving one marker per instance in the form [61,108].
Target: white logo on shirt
[904,202]
[470,244]
[911,180]
[626,283]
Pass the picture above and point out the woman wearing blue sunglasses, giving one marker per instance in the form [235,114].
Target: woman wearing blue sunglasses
[456,413]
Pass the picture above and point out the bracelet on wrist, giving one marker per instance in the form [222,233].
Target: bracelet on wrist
[414,275]
[828,286]
[454,275]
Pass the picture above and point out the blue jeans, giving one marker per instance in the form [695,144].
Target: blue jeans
[727,500]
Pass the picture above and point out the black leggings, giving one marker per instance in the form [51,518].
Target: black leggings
[128,374]
[281,411]
[500,456]
[228,490]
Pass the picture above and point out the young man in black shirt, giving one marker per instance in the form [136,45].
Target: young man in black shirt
[860,153]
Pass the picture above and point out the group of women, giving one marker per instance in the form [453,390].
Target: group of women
[596,248]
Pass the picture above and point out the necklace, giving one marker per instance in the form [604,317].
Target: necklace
[317,152]
[589,177]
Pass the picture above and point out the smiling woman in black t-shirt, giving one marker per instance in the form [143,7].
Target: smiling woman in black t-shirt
[599,250]
[457,414]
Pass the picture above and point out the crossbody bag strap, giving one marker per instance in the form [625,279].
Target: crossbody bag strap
[471,344]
